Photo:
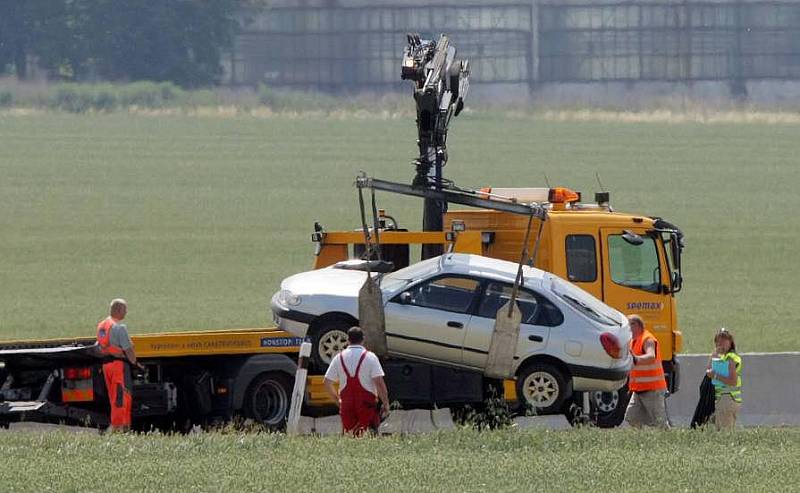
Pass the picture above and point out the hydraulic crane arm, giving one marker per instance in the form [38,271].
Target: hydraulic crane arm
[441,84]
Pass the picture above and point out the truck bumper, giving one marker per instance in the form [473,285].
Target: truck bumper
[48,412]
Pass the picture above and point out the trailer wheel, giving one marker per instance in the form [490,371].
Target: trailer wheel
[268,399]
[327,340]
[542,387]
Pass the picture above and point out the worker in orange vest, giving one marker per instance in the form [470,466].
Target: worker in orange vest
[646,383]
[113,339]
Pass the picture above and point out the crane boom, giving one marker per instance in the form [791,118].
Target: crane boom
[441,84]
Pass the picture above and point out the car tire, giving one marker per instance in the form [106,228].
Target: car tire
[327,340]
[608,408]
[543,388]
[268,399]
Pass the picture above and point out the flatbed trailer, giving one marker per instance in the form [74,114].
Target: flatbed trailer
[200,378]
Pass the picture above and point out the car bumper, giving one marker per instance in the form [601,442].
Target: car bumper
[589,378]
[292,321]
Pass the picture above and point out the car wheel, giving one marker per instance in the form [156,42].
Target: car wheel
[268,400]
[328,340]
[608,408]
[543,388]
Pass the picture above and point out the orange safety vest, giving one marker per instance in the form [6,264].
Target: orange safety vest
[104,338]
[647,376]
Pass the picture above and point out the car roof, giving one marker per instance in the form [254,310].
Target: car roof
[466,263]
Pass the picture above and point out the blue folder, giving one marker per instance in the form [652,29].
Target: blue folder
[720,367]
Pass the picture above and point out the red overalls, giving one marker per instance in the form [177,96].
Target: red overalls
[117,375]
[359,409]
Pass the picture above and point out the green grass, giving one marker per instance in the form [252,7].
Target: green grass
[196,220]
[581,460]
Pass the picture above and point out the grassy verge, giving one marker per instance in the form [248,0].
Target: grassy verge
[583,460]
[144,97]
[196,220]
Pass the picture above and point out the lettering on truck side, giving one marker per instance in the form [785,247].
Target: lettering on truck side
[281,341]
[645,305]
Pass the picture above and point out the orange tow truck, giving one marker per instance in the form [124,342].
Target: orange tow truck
[630,261]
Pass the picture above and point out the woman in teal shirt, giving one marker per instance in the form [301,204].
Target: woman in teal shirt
[725,370]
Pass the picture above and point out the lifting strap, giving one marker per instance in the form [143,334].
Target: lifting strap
[371,316]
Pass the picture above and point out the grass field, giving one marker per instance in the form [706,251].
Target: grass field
[580,460]
[196,219]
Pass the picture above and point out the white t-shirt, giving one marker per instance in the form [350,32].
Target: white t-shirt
[370,368]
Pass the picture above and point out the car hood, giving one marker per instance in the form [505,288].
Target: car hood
[336,282]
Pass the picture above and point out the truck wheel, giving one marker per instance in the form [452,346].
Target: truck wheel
[608,408]
[268,399]
[328,340]
[542,387]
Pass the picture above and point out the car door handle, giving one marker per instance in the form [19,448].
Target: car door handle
[536,338]
[455,325]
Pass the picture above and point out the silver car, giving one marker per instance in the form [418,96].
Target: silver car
[442,311]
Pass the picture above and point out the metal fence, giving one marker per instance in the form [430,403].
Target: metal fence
[357,48]
[668,41]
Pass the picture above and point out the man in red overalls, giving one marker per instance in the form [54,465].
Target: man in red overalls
[360,378]
[113,339]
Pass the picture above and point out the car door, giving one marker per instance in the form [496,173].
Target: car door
[429,320]
[534,327]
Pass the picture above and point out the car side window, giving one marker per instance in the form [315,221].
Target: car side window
[449,293]
[536,310]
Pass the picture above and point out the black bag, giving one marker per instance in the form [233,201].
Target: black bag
[705,405]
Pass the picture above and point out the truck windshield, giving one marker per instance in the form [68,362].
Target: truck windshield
[672,249]
[634,266]
[586,303]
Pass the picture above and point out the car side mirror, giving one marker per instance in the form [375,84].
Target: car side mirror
[405,298]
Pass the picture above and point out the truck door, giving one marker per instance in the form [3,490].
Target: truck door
[532,331]
[429,320]
[633,280]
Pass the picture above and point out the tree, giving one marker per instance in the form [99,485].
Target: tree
[163,40]
[176,40]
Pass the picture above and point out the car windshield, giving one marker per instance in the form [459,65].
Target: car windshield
[398,279]
[585,303]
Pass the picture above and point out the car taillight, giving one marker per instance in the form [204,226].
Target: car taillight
[77,373]
[610,344]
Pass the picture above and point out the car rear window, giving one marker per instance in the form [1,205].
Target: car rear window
[586,303]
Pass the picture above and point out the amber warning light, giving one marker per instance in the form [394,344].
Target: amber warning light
[561,195]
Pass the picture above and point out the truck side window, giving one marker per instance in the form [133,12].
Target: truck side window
[536,310]
[634,266]
[452,294]
[581,258]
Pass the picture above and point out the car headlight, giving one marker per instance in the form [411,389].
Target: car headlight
[287,298]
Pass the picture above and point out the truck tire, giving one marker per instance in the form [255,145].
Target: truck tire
[542,387]
[608,408]
[327,340]
[268,399]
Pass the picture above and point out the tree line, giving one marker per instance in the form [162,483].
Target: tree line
[181,41]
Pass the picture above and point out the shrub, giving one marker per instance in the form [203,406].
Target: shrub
[6,98]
